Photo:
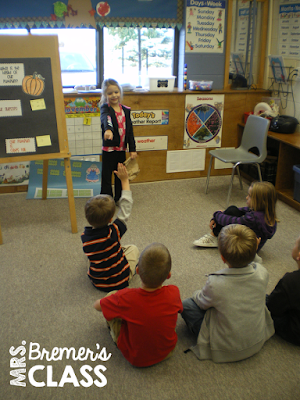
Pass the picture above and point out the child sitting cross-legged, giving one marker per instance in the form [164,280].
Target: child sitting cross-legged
[142,321]
[111,265]
[259,215]
[229,316]
[284,302]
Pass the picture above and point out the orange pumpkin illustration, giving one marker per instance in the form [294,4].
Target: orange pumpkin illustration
[33,84]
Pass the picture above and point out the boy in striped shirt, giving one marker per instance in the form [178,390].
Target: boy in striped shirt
[111,265]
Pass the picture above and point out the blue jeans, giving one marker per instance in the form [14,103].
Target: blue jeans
[192,315]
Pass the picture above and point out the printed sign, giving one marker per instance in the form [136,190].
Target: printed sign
[77,105]
[151,143]
[150,117]
[205,25]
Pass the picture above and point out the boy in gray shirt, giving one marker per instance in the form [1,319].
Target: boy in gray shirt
[229,315]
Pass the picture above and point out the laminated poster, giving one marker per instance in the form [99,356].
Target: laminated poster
[205,26]
[203,121]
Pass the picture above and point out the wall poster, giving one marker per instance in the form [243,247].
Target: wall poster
[86,177]
[205,26]
[15,174]
[203,121]
[83,125]
[289,30]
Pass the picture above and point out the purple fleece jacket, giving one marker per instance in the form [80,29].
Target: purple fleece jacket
[255,220]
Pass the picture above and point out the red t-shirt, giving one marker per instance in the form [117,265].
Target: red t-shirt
[149,319]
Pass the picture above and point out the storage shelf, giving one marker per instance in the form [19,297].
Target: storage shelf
[287,196]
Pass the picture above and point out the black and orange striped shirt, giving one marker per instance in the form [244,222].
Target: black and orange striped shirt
[109,269]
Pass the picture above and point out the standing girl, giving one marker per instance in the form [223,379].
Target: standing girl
[117,133]
[259,215]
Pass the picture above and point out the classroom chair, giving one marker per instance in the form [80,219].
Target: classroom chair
[254,139]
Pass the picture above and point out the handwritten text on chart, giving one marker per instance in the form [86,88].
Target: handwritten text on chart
[10,108]
[11,74]
[20,145]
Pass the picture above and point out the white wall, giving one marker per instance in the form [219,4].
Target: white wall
[291,102]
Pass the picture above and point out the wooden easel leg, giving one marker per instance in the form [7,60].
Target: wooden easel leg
[70,195]
[45,179]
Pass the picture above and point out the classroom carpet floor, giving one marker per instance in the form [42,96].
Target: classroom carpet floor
[47,302]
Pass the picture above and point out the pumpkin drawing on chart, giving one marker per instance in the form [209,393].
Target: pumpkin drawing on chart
[33,84]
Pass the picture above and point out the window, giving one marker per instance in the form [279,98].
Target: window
[13,32]
[130,55]
[133,54]
[77,50]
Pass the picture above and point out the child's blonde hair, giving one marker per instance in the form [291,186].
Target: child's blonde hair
[263,198]
[237,244]
[154,265]
[105,84]
[99,210]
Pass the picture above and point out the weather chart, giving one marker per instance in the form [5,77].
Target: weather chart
[203,121]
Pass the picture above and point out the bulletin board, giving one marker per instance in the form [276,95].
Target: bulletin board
[27,107]
[32,117]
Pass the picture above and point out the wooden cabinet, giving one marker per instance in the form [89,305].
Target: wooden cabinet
[288,156]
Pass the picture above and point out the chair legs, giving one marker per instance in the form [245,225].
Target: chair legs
[231,182]
[208,173]
[235,167]
[240,179]
[259,172]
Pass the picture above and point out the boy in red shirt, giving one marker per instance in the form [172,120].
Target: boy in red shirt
[142,321]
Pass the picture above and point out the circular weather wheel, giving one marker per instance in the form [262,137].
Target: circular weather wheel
[203,123]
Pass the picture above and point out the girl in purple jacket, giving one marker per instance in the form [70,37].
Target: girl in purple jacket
[259,215]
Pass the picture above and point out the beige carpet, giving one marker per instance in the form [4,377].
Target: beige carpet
[46,299]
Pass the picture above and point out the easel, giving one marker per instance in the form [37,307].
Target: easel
[43,47]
